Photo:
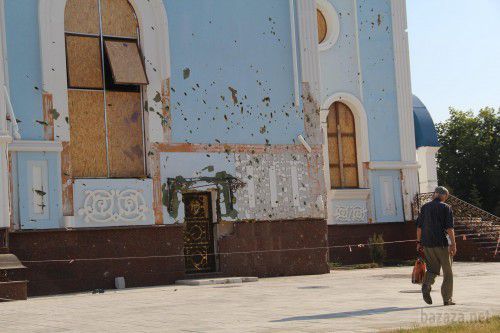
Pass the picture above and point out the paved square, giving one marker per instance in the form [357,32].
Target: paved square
[342,301]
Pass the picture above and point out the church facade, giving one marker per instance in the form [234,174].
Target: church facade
[159,140]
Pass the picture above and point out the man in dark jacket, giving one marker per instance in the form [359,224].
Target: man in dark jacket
[436,236]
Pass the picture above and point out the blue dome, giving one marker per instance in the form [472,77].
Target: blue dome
[425,131]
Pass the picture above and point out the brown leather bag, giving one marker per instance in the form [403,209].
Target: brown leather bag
[418,274]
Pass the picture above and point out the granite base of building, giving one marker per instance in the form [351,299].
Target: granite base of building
[360,233]
[62,261]
[277,248]
[83,260]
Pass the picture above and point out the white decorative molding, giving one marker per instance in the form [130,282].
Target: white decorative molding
[295,185]
[293,36]
[38,191]
[102,206]
[350,214]
[5,138]
[250,185]
[392,165]
[388,199]
[358,51]
[273,186]
[308,37]
[4,187]
[404,101]
[349,194]
[112,202]
[332,24]
[361,125]
[35,146]
[154,39]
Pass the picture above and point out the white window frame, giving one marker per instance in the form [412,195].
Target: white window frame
[332,24]
[361,127]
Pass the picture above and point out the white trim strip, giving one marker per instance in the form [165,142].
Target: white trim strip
[35,146]
[392,165]
[349,194]
[273,186]
[294,53]
[295,186]
[250,186]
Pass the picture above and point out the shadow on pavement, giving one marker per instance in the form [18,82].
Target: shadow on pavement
[348,314]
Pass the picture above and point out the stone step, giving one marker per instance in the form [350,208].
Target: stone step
[13,291]
[213,281]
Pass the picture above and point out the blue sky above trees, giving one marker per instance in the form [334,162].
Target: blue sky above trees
[455,54]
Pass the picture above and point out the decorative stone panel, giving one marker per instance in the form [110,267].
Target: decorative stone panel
[112,202]
[348,211]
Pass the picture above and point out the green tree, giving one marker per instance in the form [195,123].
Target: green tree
[469,159]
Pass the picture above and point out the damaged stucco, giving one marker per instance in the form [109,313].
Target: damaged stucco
[263,186]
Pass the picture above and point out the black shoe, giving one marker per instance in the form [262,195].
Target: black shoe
[449,303]
[426,294]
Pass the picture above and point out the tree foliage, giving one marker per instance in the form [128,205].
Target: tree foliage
[469,159]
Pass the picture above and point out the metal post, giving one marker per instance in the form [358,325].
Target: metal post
[101,38]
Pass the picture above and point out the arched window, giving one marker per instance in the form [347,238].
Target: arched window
[105,72]
[322,26]
[342,147]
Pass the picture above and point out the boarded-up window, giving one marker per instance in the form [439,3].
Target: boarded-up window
[104,69]
[83,58]
[118,19]
[82,16]
[126,62]
[342,147]
[322,26]
[88,133]
[124,119]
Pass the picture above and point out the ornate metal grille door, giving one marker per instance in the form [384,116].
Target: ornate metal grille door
[198,233]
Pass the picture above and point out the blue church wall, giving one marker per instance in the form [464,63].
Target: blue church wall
[339,64]
[379,83]
[340,70]
[232,79]
[24,66]
[232,72]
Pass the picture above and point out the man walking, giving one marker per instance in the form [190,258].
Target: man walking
[436,236]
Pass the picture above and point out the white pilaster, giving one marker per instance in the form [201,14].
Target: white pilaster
[5,137]
[308,38]
[404,98]
[427,173]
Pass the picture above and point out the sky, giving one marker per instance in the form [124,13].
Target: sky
[455,54]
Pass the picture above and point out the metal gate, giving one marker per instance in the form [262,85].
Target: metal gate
[198,233]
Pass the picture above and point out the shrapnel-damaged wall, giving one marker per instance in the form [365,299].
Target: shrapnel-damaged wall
[270,185]
[249,181]
[280,186]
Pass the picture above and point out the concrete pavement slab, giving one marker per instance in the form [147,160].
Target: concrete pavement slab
[366,300]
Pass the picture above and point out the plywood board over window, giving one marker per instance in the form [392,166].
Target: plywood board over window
[126,152]
[82,16]
[126,62]
[118,19]
[88,133]
[342,147]
[83,56]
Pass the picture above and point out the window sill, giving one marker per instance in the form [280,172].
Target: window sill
[349,194]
